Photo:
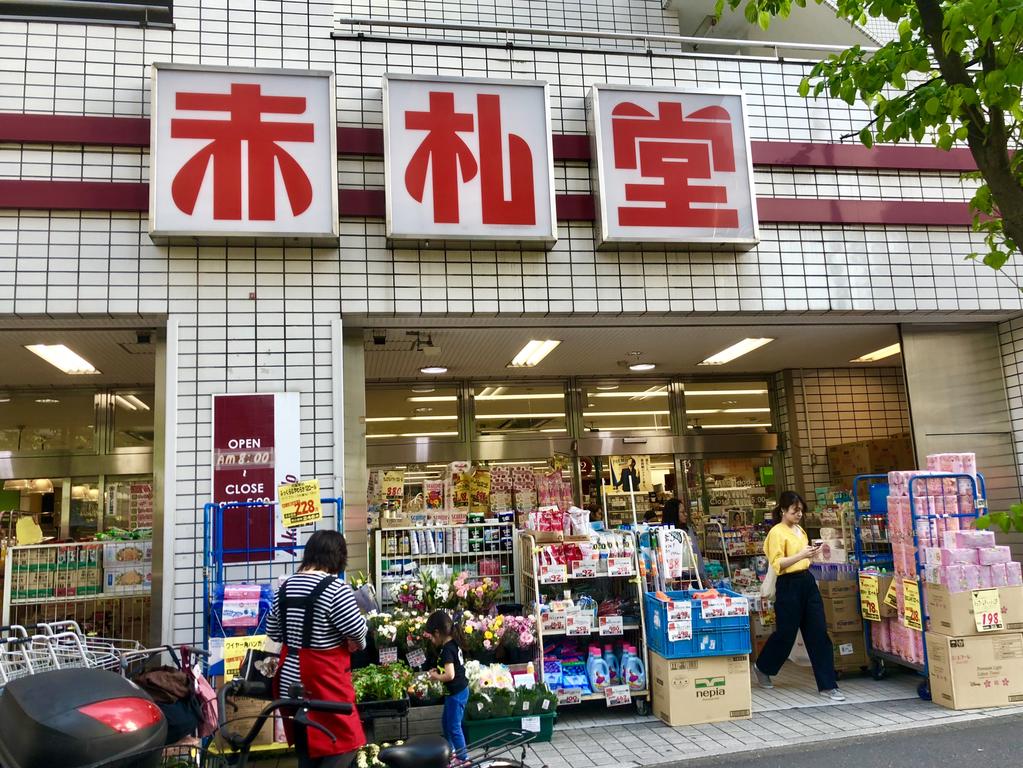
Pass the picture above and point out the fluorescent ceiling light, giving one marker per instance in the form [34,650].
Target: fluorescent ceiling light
[123,402]
[739,349]
[490,392]
[702,412]
[533,353]
[382,419]
[879,354]
[373,437]
[433,370]
[379,419]
[47,400]
[728,426]
[422,388]
[434,399]
[433,418]
[538,396]
[642,366]
[520,416]
[626,413]
[5,399]
[713,392]
[63,358]
[747,410]
[428,434]
[136,402]
[561,429]
[623,429]
[660,392]
[606,387]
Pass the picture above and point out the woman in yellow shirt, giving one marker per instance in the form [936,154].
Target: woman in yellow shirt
[797,602]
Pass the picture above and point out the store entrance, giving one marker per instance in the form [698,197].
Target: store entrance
[77,429]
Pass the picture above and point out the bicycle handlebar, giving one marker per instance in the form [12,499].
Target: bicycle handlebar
[243,688]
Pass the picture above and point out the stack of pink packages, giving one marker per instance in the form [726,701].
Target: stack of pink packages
[970,560]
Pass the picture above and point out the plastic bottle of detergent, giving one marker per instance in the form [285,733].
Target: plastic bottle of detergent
[613,667]
[600,675]
[633,670]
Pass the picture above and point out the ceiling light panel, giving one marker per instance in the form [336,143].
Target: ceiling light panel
[533,353]
[735,351]
[879,354]
[61,357]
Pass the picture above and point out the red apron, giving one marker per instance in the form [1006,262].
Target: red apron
[324,674]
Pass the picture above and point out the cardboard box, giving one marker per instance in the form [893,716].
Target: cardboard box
[117,552]
[127,577]
[837,589]
[850,651]
[951,613]
[707,690]
[243,718]
[976,672]
[842,614]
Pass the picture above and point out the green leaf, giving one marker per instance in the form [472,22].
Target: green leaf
[764,19]
[983,522]
[933,106]
[804,87]
[866,138]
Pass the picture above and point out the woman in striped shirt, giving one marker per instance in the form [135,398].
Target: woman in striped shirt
[315,617]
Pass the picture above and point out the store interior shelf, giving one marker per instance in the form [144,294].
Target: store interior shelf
[562,633]
[448,555]
[80,598]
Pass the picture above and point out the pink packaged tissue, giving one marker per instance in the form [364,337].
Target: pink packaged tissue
[1013,575]
[971,576]
[970,539]
[986,580]
[999,578]
[967,505]
[959,556]
[932,556]
[952,578]
[991,555]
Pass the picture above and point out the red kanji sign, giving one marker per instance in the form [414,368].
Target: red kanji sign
[672,166]
[468,159]
[243,152]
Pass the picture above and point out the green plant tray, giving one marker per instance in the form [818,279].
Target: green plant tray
[477,730]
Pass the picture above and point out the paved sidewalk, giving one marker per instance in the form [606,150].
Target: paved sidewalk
[791,713]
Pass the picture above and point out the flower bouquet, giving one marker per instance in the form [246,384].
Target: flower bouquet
[518,638]
[425,691]
[409,596]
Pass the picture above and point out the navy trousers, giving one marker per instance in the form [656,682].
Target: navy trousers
[798,607]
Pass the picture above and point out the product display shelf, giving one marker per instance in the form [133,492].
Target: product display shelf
[732,556]
[399,554]
[532,589]
[869,557]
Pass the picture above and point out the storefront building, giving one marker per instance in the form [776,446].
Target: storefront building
[178,283]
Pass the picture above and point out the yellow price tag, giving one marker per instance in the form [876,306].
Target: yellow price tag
[891,598]
[300,503]
[913,617]
[987,610]
[234,652]
[869,599]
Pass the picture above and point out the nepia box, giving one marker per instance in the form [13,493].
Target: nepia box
[837,589]
[951,613]
[712,689]
[842,614]
[976,672]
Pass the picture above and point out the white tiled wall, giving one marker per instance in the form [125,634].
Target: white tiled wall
[1011,338]
[69,264]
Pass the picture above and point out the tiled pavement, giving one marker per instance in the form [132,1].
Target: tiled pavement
[792,713]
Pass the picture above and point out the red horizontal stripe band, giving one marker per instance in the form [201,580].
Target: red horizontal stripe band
[369,203]
[134,132]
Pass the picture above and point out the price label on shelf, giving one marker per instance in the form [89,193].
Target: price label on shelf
[555,621]
[553,574]
[869,597]
[569,696]
[913,617]
[611,626]
[987,610]
[416,658]
[531,724]
[680,630]
[388,655]
[584,569]
[579,624]
[891,598]
[618,695]
[682,611]
[620,566]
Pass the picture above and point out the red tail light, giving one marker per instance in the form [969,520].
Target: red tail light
[124,715]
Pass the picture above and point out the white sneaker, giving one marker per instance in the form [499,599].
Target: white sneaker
[834,694]
[764,681]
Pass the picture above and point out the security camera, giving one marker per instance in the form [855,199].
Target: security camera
[379,337]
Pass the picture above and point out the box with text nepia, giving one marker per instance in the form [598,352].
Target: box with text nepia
[707,690]
[976,672]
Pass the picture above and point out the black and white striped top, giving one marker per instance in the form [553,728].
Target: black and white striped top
[336,620]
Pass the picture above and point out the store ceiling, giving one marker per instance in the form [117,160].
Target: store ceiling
[118,355]
[604,351]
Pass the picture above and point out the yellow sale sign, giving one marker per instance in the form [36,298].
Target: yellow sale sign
[869,598]
[300,503]
[234,652]
[913,617]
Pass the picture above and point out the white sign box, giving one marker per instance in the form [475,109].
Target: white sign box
[672,166]
[468,159]
[243,153]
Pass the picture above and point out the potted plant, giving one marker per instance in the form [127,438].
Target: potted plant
[519,639]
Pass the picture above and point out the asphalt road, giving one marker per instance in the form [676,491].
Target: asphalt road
[997,743]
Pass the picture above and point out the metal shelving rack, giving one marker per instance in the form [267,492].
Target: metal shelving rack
[393,547]
[530,543]
[868,555]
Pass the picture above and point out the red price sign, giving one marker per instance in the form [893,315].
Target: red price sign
[553,574]
[987,610]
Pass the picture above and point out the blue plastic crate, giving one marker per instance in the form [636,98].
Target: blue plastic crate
[711,637]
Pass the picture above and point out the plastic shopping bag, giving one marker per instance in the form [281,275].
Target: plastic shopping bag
[799,656]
